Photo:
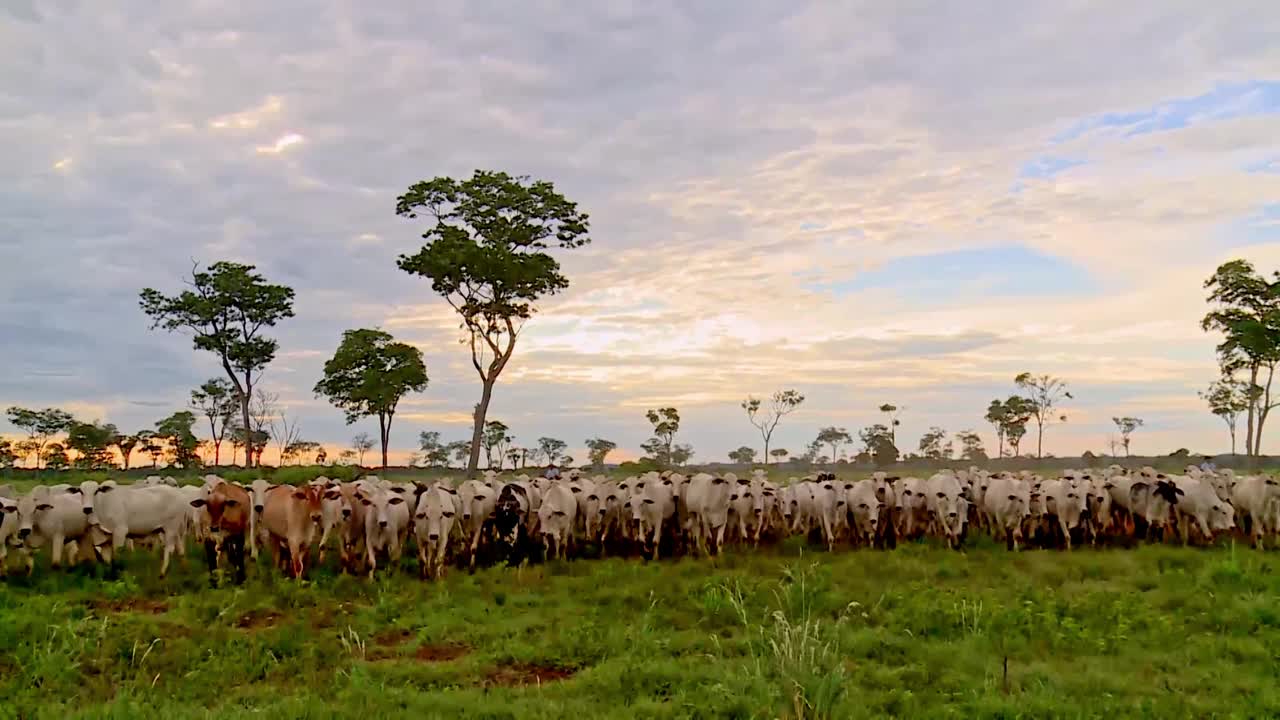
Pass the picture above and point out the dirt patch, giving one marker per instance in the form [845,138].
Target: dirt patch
[391,638]
[327,616]
[525,674]
[259,620]
[137,605]
[440,653]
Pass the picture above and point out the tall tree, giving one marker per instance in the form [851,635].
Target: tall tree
[369,374]
[551,448]
[743,455]
[262,413]
[666,423]
[459,450]
[296,449]
[40,426]
[680,454]
[486,254]
[176,430]
[934,445]
[780,454]
[93,442]
[835,437]
[891,413]
[1126,426]
[1246,310]
[361,444]
[226,310]
[216,401]
[781,404]
[1227,398]
[286,432]
[598,449]
[151,445]
[7,455]
[1044,392]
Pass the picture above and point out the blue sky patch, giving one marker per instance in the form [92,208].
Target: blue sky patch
[1000,271]
[1048,166]
[1221,103]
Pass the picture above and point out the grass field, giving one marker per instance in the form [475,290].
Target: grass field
[917,632]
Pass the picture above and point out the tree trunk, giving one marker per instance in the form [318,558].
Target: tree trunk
[1253,405]
[1264,410]
[1040,439]
[766,451]
[248,428]
[1232,428]
[384,433]
[482,409]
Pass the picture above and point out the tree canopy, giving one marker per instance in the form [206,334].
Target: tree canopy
[781,404]
[40,426]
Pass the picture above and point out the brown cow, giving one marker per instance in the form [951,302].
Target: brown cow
[291,517]
[228,507]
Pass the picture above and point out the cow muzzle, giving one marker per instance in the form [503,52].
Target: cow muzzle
[346,514]
[88,511]
[433,537]
[258,508]
[382,523]
[24,533]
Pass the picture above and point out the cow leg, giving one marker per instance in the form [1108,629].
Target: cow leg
[211,560]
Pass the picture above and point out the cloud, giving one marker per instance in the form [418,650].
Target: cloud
[918,215]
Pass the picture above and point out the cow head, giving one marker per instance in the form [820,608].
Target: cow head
[509,512]
[227,506]
[435,514]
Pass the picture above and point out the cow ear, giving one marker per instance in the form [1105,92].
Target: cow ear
[105,487]
[44,506]
[1162,476]
[73,490]
[1179,490]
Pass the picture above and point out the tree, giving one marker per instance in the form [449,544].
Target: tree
[681,453]
[514,454]
[496,439]
[781,404]
[183,445]
[361,444]
[347,456]
[7,456]
[666,423]
[459,450]
[40,426]
[368,375]
[216,400]
[779,454]
[226,310]
[322,456]
[811,452]
[934,445]
[125,444]
[285,431]
[835,437]
[93,442]
[551,448]
[151,445]
[55,456]
[598,449]
[1045,392]
[998,415]
[878,443]
[262,413]
[1227,398]
[1126,426]
[1246,310]
[486,256]
[296,449]
[743,455]
[971,447]
[891,412]
[433,451]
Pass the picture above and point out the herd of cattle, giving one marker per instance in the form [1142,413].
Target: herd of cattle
[369,521]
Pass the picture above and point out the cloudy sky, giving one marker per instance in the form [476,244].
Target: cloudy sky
[869,202]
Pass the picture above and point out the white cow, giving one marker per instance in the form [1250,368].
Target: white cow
[52,516]
[556,519]
[8,526]
[432,526]
[386,525]
[943,500]
[1199,503]
[129,512]
[477,500]
[1007,505]
[1256,499]
[864,506]
[706,505]
[653,506]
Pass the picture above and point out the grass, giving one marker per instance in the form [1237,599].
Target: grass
[918,632]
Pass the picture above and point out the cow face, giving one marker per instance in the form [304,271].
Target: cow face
[509,512]
[378,506]
[435,515]
[259,489]
[227,506]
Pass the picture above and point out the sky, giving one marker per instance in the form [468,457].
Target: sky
[868,202]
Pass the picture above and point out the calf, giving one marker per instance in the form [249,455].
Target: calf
[1006,506]
[290,517]
[258,490]
[863,508]
[229,511]
[943,500]
[653,507]
[54,516]
[706,506]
